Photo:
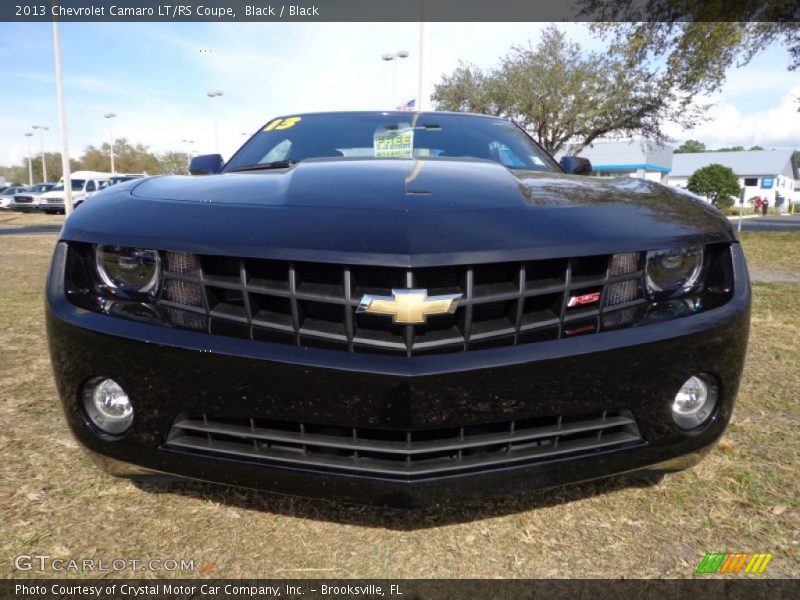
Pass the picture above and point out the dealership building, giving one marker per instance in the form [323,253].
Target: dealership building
[766,174]
[633,158]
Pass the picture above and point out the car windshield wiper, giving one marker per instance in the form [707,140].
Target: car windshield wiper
[275,164]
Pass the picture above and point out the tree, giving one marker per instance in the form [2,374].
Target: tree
[566,98]
[690,146]
[730,149]
[19,173]
[172,163]
[698,40]
[756,148]
[128,158]
[716,182]
[15,175]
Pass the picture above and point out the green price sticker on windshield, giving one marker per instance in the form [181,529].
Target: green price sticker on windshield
[396,144]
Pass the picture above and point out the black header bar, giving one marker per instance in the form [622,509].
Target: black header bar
[395,10]
[735,586]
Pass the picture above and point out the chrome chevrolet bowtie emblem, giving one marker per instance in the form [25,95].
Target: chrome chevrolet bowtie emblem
[409,306]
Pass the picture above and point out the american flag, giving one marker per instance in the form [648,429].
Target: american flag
[406,106]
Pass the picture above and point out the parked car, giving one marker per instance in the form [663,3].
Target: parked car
[396,308]
[119,178]
[28,201]
[7,196]
[83,183]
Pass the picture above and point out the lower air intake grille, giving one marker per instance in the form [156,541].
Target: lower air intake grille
[403,454]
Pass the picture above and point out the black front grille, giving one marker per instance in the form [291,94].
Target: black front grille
[404,454]
[314,304]
[23,199]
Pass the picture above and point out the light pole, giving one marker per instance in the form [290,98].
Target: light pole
[110,116]
[189,150]
[62,121]
[393,57]
[29,135]
[42,129]
[212,95]
[423,97]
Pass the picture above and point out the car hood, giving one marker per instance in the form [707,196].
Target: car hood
[409,212]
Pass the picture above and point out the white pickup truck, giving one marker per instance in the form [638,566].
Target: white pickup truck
[84,184]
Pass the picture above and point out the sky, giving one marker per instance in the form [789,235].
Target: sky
[155,77]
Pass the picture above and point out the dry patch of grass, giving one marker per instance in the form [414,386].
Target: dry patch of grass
[18,219]
[744,497]
[772,250]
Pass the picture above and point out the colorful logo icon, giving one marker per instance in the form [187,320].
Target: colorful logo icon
[743,562]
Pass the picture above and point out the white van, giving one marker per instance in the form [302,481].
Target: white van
[84,184]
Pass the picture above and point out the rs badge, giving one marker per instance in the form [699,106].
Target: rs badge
[584,299]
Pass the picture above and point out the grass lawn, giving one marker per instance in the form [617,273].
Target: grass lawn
[744,497]
[778,250]
[9,218]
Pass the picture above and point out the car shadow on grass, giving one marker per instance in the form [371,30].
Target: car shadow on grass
[393,518]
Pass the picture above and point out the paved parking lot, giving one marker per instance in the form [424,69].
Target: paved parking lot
[30,230]
[771,223]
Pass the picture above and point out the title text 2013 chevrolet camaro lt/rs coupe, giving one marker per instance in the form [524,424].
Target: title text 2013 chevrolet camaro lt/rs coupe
[399,309]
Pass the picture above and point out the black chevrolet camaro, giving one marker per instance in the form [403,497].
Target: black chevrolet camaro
[399,309]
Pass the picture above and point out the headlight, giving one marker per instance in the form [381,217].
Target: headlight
[672,273]
[131,270]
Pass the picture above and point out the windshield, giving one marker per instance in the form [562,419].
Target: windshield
[392,135]
[77,185]
[42,188]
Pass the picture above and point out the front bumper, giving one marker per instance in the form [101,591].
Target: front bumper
[25,208]
[169,372]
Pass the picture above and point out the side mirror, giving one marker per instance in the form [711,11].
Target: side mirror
[576,165]
[207,164]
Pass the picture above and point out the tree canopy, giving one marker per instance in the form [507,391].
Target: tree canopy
[567,98]
[128,158]
[690,146]
[698,40]
[19,173]
[717,182]
[695,146]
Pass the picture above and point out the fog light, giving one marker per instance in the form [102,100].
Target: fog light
[107,405]
[694,402]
